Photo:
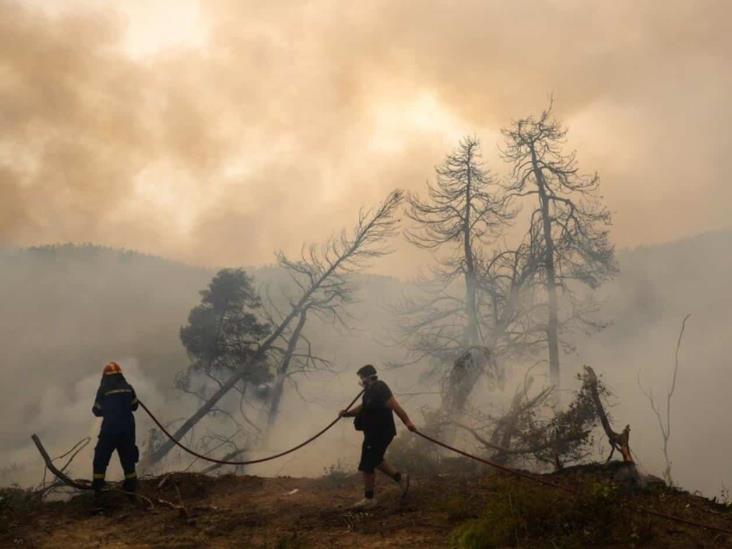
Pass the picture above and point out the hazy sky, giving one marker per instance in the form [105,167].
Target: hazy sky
[216,132]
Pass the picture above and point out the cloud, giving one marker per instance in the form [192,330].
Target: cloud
[273,123]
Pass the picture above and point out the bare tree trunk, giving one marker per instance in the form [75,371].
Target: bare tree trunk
[279,385]
[465,373]
[471,306]
[618,441]
[260,354]
[551,285]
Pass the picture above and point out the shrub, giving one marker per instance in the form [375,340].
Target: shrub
[336,474]
[414,454]
[14,504]
[458,507]
[519,513]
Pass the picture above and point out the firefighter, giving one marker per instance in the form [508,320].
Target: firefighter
[115,402]
[375,417]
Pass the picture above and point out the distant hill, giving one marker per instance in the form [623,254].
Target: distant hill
[67,310]
[68,307]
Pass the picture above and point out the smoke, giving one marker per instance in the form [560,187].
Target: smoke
[217,142]
[262,125]
[67,312]
[62,417]
[657,287]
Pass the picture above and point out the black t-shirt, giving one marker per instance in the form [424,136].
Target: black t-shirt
[376,418]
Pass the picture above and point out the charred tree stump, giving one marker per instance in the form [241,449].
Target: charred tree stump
[618,441]
[464,375]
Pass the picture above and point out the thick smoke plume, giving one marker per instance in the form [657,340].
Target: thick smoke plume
[261,120]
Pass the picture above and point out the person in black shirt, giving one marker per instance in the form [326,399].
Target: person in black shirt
[375,417]
[115,402]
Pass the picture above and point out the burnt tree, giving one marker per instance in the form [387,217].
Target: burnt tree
[462,212]
[568,220]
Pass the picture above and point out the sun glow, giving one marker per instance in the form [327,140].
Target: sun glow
[395,122]
[155,27]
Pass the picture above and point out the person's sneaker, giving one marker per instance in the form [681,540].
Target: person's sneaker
[404,484]
[365,503]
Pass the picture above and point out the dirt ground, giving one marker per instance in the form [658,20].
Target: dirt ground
[244,511]
[282,513]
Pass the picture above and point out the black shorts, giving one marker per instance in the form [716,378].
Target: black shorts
[372,453]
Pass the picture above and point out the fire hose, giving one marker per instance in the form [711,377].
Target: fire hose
[249,461]
[569,490]
[85,485]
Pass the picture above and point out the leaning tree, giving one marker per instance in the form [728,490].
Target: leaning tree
[322,284]
[568,223]
[222,333]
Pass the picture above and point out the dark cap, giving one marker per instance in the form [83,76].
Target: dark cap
[366,371]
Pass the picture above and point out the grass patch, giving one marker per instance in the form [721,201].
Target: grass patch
[15,503]
[522,514]
[336,475]
[459,507]
[414,454]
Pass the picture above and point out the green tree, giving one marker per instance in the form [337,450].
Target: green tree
[223,331]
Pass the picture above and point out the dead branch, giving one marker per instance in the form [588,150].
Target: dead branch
[666,428]
[73,452]
[501,450]
[228,457]
[78,484]
[181,508]
[618,441]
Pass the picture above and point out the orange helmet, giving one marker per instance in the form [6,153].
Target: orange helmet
[112,368]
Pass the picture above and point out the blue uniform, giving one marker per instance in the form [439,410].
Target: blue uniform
[115,402]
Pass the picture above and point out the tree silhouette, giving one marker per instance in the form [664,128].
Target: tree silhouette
[462,213]
[222,332]
[568,224]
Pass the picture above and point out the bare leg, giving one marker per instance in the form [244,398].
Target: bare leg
[369,481]
[368,501]
[388,470]
[396,476]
